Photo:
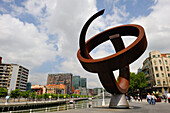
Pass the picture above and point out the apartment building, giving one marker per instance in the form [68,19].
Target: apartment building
[61,78]
[13,76]
[56,88]
[157,70]
[40,89]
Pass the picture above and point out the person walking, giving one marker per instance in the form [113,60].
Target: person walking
[148,97]
[164,97]
[153,98]
[138,98]
[141,98]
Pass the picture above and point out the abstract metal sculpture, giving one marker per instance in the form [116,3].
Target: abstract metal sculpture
[120,60]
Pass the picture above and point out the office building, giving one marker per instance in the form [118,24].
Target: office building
[76,82]
[157,70]
[97,91]
[13,76]
[61,78]
[83,82]
[90,92]
[28,86]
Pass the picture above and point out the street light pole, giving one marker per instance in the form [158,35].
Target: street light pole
[103,102]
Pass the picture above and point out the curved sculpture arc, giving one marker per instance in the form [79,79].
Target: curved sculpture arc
[120,60]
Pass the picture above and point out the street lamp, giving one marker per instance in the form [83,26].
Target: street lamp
[103,102]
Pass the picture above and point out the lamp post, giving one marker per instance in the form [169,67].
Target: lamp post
[103,102]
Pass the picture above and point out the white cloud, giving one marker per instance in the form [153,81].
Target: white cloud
[156,26]
[66,19]
[23,44]
[38,78]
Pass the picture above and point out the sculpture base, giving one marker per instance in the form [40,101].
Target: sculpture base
[119,101]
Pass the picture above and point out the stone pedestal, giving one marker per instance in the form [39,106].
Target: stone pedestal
[119,101]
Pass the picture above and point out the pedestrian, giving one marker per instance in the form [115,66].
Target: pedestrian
[153,98]
[126,97]
[141,98]
[138,98]
[148,97]
[90,103]
[135,98]
[129,98]
[164,97]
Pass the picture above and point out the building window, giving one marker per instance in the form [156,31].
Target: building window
[168,74]
[161,68]
[164,82]
[162,74]
[157,75]
[158,82]
[154,62]
[156,68]
[158,55]
[166,62]
[153,56]
[167,68]
[160,61]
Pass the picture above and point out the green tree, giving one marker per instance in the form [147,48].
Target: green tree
[33,95]
[67,96]
[61,96]
[39,97]
[137,81]
[55,96]
[25,94]
[15,93]
[46,95]
[3,92]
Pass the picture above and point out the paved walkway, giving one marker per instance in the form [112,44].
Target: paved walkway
[135,107]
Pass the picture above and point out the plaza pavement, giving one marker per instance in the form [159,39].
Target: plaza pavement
[135,107]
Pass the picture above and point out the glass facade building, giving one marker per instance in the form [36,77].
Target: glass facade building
[76,82]
[83,82]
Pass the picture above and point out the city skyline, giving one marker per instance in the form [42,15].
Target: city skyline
[44,35]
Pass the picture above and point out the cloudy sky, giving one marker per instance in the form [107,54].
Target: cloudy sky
[43,35]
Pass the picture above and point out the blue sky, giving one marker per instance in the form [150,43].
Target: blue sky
[43,35]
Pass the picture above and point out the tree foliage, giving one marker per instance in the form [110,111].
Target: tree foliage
[39,97]
[3,92]
[25,94]
[33,95]
[15,93]
[137,81]
[46,95]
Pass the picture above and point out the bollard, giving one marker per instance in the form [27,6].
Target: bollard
[75,106]
[30,110]
[58,109]
[67,107]
[82,106]
[46,109]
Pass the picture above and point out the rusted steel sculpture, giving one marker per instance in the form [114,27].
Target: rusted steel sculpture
[120,60]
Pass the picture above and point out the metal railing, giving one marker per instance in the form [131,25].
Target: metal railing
[60,108]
